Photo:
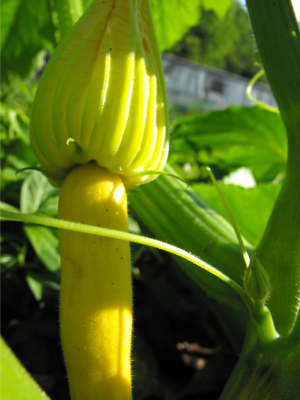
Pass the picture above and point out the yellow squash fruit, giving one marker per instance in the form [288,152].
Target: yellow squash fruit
[96,294]
[104,89]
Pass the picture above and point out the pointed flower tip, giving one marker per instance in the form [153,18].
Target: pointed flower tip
[104,88]
[256,281]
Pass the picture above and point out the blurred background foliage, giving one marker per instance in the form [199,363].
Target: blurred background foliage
[181,350]
[225,43]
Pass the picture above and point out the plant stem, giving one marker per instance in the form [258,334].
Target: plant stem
[77,227]
[278,39]
[250,97]
[266,331]
[238,235]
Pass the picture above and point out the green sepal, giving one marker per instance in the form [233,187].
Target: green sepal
[79,150]
[145,173]
[29,169]
[256,280]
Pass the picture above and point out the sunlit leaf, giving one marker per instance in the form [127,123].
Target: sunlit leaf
[174,18]
[35,192]
[26,28]
[16,383]
[45,243]
[236,137]
[8,207]
[250,208]
[37,195]
[35,286]
[219,7]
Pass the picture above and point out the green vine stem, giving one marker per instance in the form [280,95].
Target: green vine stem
[77,227]
[278,39]
[238,235]
[251,98]
[265,329]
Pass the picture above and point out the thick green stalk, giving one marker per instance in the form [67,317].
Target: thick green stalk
[177,215]
[269,372]
[278,40]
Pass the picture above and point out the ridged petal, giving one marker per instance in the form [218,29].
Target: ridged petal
[104,88]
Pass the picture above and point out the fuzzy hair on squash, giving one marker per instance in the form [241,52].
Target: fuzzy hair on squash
[96,293]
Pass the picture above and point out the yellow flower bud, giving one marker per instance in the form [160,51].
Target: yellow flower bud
[103,92]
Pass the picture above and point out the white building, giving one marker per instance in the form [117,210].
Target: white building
[189,85]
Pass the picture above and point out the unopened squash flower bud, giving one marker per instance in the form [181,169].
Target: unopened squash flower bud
[256,281]
[102,96]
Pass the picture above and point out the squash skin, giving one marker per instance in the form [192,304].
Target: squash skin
[96,292]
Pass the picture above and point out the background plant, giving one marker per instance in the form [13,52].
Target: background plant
[226,140]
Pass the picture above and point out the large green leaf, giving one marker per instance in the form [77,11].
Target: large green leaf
[250,208]
[235,137]
[26,29]
[45,243]
[174,18]
[219,7]
[37,195]
[16,383]
[36,192]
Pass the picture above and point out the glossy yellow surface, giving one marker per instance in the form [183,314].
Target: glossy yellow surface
[96,294]
[104,88]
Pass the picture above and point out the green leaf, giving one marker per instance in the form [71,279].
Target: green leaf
[235,137]
[133,226]
[35,286]
[7,207]
[36,192]
[37,195]
[174,18]
[16,383]
[26,29]
[45,244]
[250,208]
[219,7]
[16,150]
